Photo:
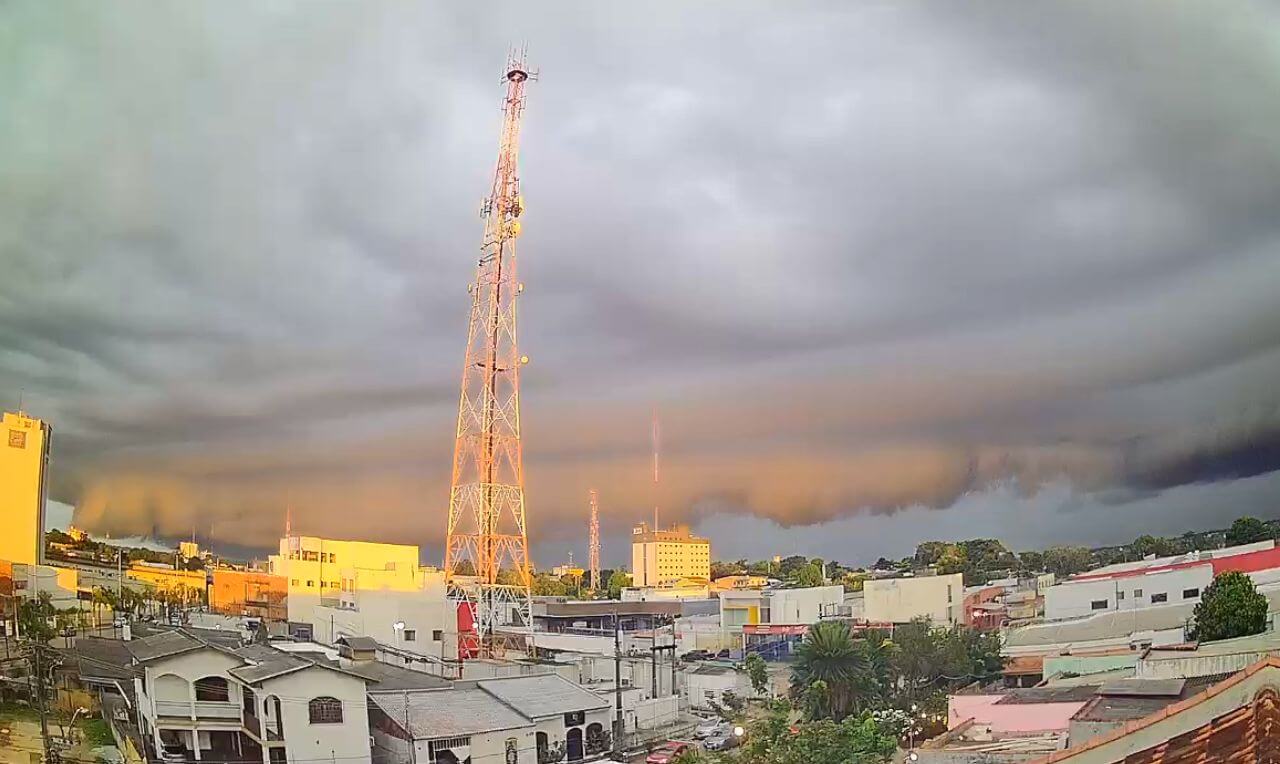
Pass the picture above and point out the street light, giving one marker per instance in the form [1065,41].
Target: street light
[739,731]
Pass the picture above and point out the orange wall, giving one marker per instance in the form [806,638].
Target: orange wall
[251,593]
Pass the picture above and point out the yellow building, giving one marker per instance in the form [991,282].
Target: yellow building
[188,584]
[363,588]
[734,583]
[661,558]
[24,462]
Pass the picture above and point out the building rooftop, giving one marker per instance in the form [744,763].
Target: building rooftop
[359,643]
[1067,694]
[429,714]
[164,644]
[542,695]
[385,676]
[1266,641]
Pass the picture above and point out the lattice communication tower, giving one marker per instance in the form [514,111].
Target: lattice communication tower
[487,526]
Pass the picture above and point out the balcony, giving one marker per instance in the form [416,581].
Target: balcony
[212,710]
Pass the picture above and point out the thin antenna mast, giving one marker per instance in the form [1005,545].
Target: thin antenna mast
[656,441]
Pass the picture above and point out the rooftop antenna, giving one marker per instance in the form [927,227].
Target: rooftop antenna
[593,542]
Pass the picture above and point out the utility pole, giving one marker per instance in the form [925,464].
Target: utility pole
[486,524]
[618,725]
[37,673]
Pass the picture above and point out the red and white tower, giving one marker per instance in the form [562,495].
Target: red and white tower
[593,543]
[486,502]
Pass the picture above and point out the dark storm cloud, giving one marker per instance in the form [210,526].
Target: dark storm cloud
[861,256]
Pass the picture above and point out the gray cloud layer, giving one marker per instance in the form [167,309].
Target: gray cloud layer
[863,257]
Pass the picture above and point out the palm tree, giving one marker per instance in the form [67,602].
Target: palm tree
[830,655]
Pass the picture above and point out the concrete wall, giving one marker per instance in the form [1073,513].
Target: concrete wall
[1072,599]
[898,600]
[1088,664]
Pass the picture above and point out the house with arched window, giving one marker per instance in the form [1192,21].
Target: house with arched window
[205,696]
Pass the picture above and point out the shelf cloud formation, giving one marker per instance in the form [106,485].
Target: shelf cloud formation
[869,262]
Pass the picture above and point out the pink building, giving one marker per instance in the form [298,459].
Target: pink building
[1022,711]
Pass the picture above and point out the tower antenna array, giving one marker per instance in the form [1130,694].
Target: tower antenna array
[593,543]
[486,558]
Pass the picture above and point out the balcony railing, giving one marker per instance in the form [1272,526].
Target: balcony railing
[200,709]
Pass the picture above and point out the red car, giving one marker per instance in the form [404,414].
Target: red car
[666,753]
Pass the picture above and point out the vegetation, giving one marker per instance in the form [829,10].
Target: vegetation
[1229,607]
[777,739]
[1246,530]
[757,672]
[617,581]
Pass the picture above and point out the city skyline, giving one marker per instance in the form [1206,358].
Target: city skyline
[914,276]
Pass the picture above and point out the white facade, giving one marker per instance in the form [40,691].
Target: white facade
[305,740]
[708,684]
[790,607]
[898,600]
[1073,599]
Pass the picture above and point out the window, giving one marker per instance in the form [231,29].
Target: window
[311,584]
[1190,594]
[325,710]
[1119,596]
[17,439]
[410,635]
[575,718]
[1098,605]
[1161,597]
[1137,593]
[212,688]
[293,582]
[948,592]
[437,635]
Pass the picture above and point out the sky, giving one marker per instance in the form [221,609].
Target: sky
[888,272]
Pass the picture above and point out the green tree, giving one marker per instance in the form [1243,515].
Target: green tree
[775,739]
[1067,560]
[805,576]
[1229,607]
[618,580]
[929,552]
[1246,530]
[757,672]
[857,672]
[1031,562]
[36,618]
[720,568]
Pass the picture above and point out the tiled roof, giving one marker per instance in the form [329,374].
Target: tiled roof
[385,676]
[359,643]
[1172,710]
[447,713]
[543,695]
[1029,695]
[164,645]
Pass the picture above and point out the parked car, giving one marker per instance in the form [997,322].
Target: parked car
[666,753]
[722,742]
[696,655]
[723,654]
[711,728]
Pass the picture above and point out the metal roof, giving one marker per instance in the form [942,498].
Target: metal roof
[542,695]
[389,677]
[1069,694]
[1143,687]
[429,714]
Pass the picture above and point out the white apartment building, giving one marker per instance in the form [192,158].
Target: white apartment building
[668,558]
[215,700]
[359,588]
[898,600]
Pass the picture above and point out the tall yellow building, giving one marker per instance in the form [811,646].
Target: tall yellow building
[24,462]
[663,558]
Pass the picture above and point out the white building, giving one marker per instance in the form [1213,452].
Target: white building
[1158,582]
[778,607]
[216,700]
[898,600]
[357,588]
[506,720]
[708,683]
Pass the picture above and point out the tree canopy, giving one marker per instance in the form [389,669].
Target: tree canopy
[1246,530]
[1229,607]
